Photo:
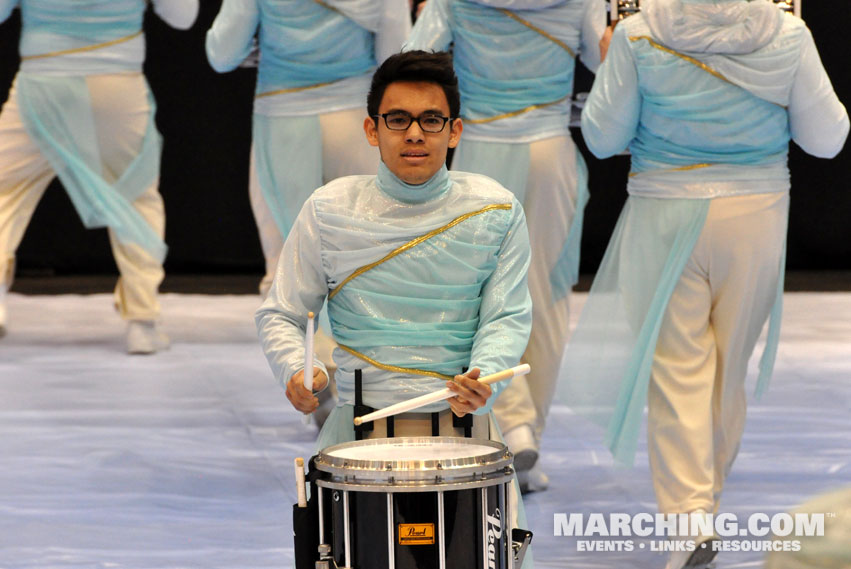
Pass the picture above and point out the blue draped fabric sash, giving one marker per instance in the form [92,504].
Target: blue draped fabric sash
[57,115]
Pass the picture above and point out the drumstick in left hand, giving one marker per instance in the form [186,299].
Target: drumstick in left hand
[438,395]
[308,360]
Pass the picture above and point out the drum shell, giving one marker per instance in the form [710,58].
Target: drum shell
[443,515]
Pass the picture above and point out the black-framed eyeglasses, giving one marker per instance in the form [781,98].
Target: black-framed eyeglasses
[400,120]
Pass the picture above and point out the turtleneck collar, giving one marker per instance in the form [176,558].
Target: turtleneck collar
[407,193]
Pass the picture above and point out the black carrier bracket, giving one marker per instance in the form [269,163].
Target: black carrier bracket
[520,540]
[361,409]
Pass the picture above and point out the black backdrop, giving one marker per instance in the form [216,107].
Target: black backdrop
[205,119]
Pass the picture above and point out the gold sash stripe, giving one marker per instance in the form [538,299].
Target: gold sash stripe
[82,49]
[694,61]
[535,28]
[292,90]
[413,243]
[514,113]
[683,56]
[397,369]
[327,5]
[680,169]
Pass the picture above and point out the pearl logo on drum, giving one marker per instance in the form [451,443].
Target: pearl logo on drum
[416,534]
[494,535]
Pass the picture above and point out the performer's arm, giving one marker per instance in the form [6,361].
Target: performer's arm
[394,29]
[299,287]
[505,315]
[593,28]
[611,113]
[230,39]
[817,120]
[179,14]
[433,31]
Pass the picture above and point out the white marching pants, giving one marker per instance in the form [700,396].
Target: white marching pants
[345,152]
[550,206]
[696,394]
[121,110]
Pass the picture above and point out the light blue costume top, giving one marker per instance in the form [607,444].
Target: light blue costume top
[515,61]
[62,42]
[706,95]
[428,278]
[316,56]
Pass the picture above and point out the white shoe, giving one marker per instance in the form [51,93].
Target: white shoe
[143,337]
[533,480]
[521,442]
[701,558]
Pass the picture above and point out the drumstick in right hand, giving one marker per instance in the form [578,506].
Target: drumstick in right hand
[438,395]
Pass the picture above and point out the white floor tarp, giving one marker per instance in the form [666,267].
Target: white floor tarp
[184,459]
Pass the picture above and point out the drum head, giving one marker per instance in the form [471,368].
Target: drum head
[414,459]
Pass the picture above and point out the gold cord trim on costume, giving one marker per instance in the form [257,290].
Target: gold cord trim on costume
[680,169]
[691,60]
[514,113]
[292,90]
[397,369]
[83,49]
[535,28]
[694,61]
[327,5]
[413,243]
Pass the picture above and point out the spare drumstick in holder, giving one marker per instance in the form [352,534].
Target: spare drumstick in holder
[299,482]
[305,537]
[308,361]
[439,395]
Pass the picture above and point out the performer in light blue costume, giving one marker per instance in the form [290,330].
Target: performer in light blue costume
[80,109]
[424,270]
[515,62]
[316,61]
[706,95]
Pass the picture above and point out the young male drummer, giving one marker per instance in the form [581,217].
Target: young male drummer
[424,270]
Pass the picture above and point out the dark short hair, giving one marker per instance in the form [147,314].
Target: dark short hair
[432,67]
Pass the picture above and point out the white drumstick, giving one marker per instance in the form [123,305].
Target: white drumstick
[439,395]
[299,482]
[308,360]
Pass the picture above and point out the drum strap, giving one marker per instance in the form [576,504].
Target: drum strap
[465,422]
[361,409]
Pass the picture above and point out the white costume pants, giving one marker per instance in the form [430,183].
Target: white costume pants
[696,394]
[345,152]
[550,205]
[121,111]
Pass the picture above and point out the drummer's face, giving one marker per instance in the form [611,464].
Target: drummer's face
[413,155]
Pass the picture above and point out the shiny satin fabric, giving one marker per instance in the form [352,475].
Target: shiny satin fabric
[458,299]
[505,66]
[65,37]
[303,43]
[731,146]
[315,58]
[57,113]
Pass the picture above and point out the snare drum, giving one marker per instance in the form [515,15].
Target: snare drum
[417,503]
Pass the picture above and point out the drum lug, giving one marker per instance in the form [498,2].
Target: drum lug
[520,540]
[326,561]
